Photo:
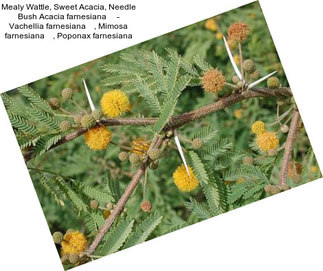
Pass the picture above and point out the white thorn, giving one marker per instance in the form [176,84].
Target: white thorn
[88,96]
[179,147]
[260,80]
[235,67]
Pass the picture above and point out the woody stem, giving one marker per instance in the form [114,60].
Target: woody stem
[156,143]
[289,147]
[179,120]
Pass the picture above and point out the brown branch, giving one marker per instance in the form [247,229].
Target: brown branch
[156,143]
[289,147]
[182,119]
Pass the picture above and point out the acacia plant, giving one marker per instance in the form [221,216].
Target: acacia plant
[210,175]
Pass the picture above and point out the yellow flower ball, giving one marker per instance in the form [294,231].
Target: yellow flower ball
[184,182]
[211,24]
[313,169]
[73,243]
[213,81]
[219,35]
[267,141]
[140,146]
[114,103]
[98,138]
[232,44]
[238,113]
[258,127]
[236,59]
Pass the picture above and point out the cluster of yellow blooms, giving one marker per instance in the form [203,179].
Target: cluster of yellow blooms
[113,104]
[140,146]
[211,24]
[238,113]
[183,181]
[266,141]
[236,59]
[98,138]
[74,242]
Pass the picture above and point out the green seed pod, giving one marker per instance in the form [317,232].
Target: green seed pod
[240,84]
[69,231]
[65,125]
[248,66]
[87,121]
[235,79]
[284,129]
[77,119]
[197,143]
[255,74]
[94,204]
[273,82]
[96,114]
[169,133]
[54,103]
[153,165]
[58,237]
[154,154]
[146,206]
[67,93]
[64,258]
[74,258]
[134,158]
[109,206]
[248,160]
[123,156]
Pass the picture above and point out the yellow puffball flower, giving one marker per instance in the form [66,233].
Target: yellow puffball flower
[98,138]
[219,36]
[184,182]
[211,24]
[140,146]
[73,243]
[238,113]
[236,59]
[114,103]
[258,127]
[267,141]
[232,44]
[313,169]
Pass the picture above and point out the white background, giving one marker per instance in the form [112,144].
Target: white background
[283,232]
